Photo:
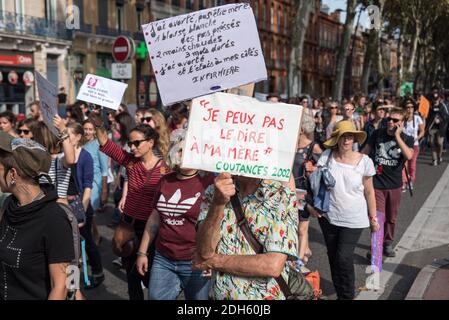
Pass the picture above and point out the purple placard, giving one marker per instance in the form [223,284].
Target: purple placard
[377,239]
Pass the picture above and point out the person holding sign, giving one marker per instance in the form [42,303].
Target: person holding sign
[144,170]
[62,154]
[239,273]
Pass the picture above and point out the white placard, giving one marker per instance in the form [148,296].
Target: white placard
[205,51]
[102,91]
[48,98]
[242,136]
[122,70]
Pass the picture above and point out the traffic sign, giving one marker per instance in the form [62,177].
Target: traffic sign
[121,70]
[123,49]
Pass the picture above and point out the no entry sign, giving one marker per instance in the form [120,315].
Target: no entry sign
[122,49]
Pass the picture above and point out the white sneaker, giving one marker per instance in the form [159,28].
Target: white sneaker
[435,163]
[118,263]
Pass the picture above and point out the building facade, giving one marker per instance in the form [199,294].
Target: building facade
[33,38]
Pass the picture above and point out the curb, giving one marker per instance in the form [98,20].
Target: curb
[422,281]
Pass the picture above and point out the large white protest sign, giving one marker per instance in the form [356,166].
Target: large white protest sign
[102,91]
[205,51]
[48,97]
[242,136]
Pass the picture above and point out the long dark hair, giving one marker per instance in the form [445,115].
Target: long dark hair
[126,123]
[43,135]
[148,133]
[78,129]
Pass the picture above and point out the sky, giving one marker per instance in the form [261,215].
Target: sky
[341,4]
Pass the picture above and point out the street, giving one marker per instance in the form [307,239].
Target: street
[115,288]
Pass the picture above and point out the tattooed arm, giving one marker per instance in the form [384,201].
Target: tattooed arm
[149,235]
[58,276]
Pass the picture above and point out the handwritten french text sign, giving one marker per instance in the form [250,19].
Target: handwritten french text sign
[102,91]
[242,136]
[205,51]
[48,97]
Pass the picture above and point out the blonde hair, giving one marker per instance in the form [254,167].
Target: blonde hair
[162,129]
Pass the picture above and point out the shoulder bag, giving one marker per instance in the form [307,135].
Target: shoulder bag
[297,288]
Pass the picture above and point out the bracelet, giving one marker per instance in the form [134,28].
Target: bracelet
[142,254]
[63,137]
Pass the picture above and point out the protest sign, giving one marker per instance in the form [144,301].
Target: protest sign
[242,136]
[424,107]
[48,97]
[102,91]
[205,51]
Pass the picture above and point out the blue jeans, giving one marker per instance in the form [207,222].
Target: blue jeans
[168,278]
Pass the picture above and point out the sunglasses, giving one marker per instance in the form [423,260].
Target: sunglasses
[19,131]
[333,107]
[393,119]
[135,143]
[147,119]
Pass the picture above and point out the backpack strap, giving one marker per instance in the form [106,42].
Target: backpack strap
[75,232]
[251,239]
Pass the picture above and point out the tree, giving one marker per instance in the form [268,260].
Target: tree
[343,50]
[300,21]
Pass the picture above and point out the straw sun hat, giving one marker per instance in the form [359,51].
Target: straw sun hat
[341,128]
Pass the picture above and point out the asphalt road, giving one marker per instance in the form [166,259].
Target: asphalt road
[115,287]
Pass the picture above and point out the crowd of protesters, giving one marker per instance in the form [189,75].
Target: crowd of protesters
[177,229]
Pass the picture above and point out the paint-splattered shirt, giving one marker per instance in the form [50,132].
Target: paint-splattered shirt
[272,215]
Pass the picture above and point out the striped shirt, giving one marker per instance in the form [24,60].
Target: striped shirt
[61,182]
[141,182]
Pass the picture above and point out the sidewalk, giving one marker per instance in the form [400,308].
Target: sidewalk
[432,282]
[426,238]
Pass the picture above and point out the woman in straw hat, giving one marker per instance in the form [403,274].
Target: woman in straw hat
[352,203]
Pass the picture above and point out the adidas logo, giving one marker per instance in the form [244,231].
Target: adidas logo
[173,207]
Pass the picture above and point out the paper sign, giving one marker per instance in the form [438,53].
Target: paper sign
[205,51]
[242,136]
[122,70]
[102,91]
[377,239]
[48,97]
[424,107]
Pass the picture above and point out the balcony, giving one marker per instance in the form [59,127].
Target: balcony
[110,32]
[12,22]
[85,28]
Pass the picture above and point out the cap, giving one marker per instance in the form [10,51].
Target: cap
[33,159]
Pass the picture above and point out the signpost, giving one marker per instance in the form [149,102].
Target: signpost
[121,70]
[123,49]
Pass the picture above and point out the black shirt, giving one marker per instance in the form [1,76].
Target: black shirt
[388,159]
[31,238]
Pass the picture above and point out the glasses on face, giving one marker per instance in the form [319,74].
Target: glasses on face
[135,143]
[147,119]
[23,131]
[349,109]
[410,107]
[333,107]
[305,101]
[393,119]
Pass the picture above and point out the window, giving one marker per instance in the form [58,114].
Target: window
[256,10]
[103,13]
[119,18]
[189,4]
[104,65]
[272,15]
[50,10]
[175,3]
[201,4]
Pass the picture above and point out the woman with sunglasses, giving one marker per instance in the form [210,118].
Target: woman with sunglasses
[26,128]
[332,118]
[144,170]
[414,126]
